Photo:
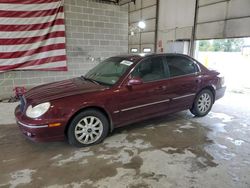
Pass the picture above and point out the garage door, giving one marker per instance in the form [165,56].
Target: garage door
[223,19]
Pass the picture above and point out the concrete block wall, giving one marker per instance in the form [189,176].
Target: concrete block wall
[93,30]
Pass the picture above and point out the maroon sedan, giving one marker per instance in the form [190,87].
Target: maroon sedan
[119,91]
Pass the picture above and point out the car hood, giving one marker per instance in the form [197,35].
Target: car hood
[61,89]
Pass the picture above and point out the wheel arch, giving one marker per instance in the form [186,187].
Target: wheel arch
[98,108]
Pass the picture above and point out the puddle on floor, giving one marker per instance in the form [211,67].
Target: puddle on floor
[175,139]
[223,117]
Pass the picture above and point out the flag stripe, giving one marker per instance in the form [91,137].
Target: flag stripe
[48,69]
[29,14]
[26,21]
[31,27]
[34,62]
[32,35]
[26,34]
[17,54]
[28,1]
[31,57]
[29,7]
[45,66]
[33,46]
[32,39]
[62,68]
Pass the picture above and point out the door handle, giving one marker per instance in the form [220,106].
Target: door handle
[198,81]
[161,88]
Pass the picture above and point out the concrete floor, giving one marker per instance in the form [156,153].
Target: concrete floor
[173,151]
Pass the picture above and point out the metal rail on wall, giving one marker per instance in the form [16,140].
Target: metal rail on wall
[118,2]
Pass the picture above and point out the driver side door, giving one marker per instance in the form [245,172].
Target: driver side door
[144,100]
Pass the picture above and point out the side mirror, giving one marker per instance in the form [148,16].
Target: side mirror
[134,81]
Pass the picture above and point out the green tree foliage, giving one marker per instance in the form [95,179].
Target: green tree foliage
[221,45]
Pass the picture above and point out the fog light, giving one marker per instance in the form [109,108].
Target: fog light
[55,124]
[29,134]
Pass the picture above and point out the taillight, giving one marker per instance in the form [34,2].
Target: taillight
[221,80]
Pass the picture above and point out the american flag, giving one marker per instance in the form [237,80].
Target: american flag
[32,35]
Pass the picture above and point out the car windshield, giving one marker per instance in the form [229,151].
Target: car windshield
[109,71]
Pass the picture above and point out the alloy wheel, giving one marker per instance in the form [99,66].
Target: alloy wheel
[204,103]
[88,130]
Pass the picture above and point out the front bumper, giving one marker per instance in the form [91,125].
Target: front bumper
[37,130]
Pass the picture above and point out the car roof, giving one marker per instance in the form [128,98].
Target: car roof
[140,56]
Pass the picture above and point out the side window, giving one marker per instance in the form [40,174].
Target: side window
[179,66]
[150,69]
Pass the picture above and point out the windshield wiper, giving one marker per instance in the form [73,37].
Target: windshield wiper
[89,79]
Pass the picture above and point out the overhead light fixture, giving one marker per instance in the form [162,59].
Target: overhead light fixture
[141,25]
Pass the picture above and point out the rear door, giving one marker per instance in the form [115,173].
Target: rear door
[184,81]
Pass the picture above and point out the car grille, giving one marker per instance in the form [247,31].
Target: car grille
[22,103]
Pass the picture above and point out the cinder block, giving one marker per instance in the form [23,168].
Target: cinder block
[104,19]
[76,9]
[76,22]
[94,42]
[81,3]
[123,43]
[82,29]
[94,18]
[93,5]
[104,43]
[88,24]
[114,43]
[123,31]
[109,25]
[77,35]
[35,81]
[7,82]
[109,13]
[20,82]
[70,3]
[109,37]
[48,79]
[87,10]
[99,36]
[99,12]
[89,36]
[99,24]
[83,16]
[114,20]
[94,30]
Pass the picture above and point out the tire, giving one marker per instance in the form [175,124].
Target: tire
[202,103]
[88,128]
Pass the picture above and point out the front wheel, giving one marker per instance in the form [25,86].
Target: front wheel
[202,103]
[87,128]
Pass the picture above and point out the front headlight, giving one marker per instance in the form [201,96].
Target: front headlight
[38,110]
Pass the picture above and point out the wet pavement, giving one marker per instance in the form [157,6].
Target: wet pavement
[177,150]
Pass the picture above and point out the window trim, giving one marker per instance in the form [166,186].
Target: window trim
[128,75]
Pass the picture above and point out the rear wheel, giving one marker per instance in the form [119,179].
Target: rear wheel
[88,128]
[202,103]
